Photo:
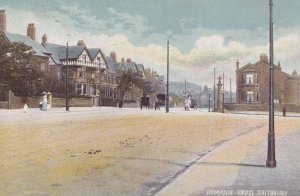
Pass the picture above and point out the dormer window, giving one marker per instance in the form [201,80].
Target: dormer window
[97,60]
[84,58]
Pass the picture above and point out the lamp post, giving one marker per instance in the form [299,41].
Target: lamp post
[67,86]
[167,98]
[200,98]
[101,70]
[223,93]
[209,99]
[271,161]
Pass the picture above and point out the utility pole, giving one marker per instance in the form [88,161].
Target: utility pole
[230,92]
[214,87]
[223,94]
[167,98]
[271,161]
[200,98]
[67,86]
[185,87]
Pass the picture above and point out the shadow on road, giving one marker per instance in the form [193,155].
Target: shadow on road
[230,164]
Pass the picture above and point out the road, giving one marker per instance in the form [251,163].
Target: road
[128,151]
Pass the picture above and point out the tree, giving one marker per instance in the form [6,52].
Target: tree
[128,80]
[20,68]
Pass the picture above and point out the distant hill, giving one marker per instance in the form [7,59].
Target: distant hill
[179,87]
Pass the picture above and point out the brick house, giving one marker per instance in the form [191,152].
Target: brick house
[252,83]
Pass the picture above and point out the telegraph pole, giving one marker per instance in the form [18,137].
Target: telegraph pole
[185,87]
[200,98]
[214,87]
[167,98]
[223,94]
[230,92]
[271,161]
[67,86]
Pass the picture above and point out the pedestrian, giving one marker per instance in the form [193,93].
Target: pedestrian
[44,103]
[25,108]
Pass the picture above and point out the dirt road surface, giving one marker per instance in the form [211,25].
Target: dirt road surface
[112,151]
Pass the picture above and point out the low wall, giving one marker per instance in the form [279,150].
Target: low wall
[33,102]
[4,104]
[131,104]
[245,107]
[262,107]
[74,102]
[18,102]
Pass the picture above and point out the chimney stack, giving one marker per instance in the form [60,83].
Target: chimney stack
[80,43]
[122,61]
[2,20]
[264,58]
[44,39]
[128,60]
[31,31]
[113,55]
[237,64]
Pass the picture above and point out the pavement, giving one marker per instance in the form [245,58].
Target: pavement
[215,175]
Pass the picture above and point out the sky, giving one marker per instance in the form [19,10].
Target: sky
[203,34]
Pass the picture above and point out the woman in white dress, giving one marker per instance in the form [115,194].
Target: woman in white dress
[44,104]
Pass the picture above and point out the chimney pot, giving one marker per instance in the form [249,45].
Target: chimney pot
[44,39]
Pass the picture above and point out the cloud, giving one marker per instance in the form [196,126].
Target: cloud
[135,23]
[210,50]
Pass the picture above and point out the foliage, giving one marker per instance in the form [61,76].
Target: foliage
[176,99]
[19,68]
[127,80]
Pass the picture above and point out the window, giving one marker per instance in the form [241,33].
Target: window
[84,89]
[250,96]
[93,75]
[97,60]
[84,58]
[81,89]
[94,91]
[249,79]
[81,72]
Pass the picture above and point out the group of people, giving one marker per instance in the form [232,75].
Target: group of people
[43,104]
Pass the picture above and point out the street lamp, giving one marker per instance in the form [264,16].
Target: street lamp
[101,70]
[209,91]
[167,98]
[271,161]
[67,86]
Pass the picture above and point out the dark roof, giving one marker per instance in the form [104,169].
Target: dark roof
[59,51]
[130,66]
[113,66]
[74,52]
[140,67]
[94,52]
[37,47]
[55,50]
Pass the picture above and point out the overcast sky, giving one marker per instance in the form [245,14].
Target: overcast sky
[203,33]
